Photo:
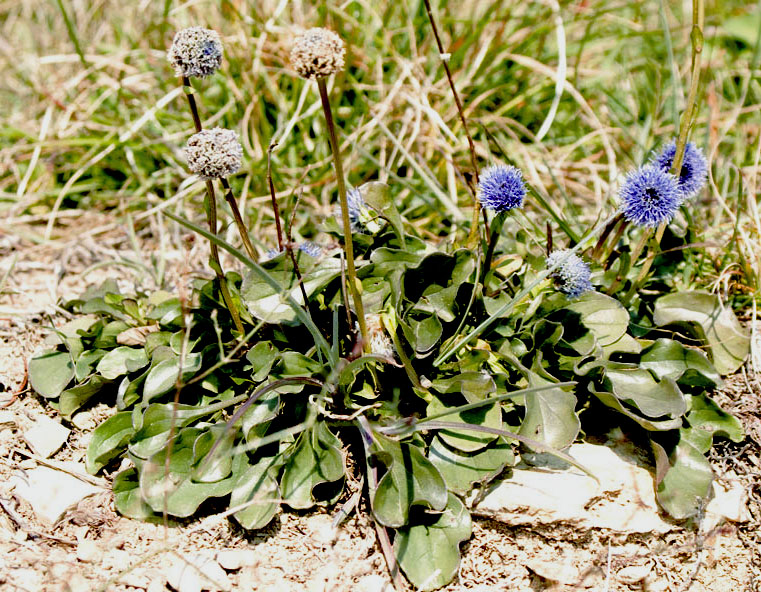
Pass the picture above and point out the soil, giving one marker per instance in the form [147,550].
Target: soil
[93,548]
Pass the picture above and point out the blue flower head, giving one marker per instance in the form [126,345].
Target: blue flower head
[357,207]
[271,254]
[572,278]
[649,196]
[694,171]
[501,188]
[312,249]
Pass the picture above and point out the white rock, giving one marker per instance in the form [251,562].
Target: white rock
[622,501]
[197,572]
[50,492]
[88,551]
[632,574]
[7,419]
[374,583]
[563,572]
[45,437]
[730,502]
[157,585]
[83,420]
[232,559]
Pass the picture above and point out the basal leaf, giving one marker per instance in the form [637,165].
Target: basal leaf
[638,387]
[410,480]
[122,360]
[684,479]
[314,458]
[50,373]
[605,317]
[461,470]
[429,551]
[157,422]
[257,487]
[707,420]
[716,323]
[550,415]
[109,440]
[127,498]
[670,359]
[162,377]
[74,398]
[468,440]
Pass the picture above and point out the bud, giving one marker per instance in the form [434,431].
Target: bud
[214,153]
[195,51]
[318,53]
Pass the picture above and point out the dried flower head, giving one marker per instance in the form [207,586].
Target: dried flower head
[649,196]
[318,53]
[195,51]
[380,342]
[501,188]
[214,153]
[573,277]
[694,171]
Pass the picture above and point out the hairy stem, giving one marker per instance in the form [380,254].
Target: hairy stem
[242,230]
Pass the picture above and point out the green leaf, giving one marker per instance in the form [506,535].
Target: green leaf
[157,421]
[474,386]
[637,386]
[684,479]
[127,498]
[465,439]
[73,398]
[168,485]
[410,480]
[429,552]
[261,356]
[670,359]
[257,487]
[707,420]
[271,305]
[257,417]
[109,440]
[120,361]
[210,468]
[716,324]
[50,373]
[550,415]
[377,195]
[314,458]
[612,401]
[461,471]
[162,377]
[605,317]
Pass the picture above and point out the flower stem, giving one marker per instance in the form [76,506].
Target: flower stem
[211,216]
[275,208]
[351,271]
[242,230]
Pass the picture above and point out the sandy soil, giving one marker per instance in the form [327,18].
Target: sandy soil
[93,548]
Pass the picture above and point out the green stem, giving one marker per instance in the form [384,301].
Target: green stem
[351,271]
[242,230]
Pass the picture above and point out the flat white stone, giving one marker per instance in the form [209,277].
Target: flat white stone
[52,493]
[633,574]
[623,500]
[46,436]
[730,502]
[7,419]
[374,583]
[194,573]
[88,551]
[232,559]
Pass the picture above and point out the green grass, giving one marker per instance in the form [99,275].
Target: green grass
[108,137]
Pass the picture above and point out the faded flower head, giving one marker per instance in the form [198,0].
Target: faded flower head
[380,342]
[214,153]
[694,171]
[360,216]
[572,278]
[649,196]
[195,51]
[318,53]
[501,188]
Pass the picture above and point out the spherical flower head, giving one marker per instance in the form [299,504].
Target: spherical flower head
[501,188]
[649,196]
[214,153]
[318,53]
[195,51]
[573,277]
[380,342]
[694,171]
